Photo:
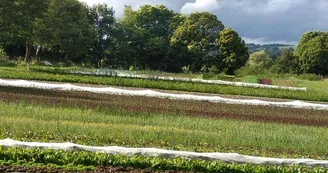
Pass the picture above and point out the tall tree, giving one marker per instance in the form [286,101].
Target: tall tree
[129,40]
[67,29]
[155,21]
[198,34]
[312,51]
[104,23]
[19,21]
[147,33]
[234,53]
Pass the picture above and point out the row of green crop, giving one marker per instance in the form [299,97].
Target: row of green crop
[157,105]
[87,160]
[29,122]
[18,73]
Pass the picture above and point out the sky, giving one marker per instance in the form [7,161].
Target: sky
[256,21]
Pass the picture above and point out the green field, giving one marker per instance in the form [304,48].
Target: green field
[29,114]
[97,120]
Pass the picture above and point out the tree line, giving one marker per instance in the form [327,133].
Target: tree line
[151,37]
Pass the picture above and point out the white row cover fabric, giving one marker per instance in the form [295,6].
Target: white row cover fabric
[154,152]
[151,93]
[219,82]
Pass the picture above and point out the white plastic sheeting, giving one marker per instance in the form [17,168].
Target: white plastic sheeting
[151,93]
[219,82]
[225,157]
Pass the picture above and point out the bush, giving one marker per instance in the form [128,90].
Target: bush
[248,70]
[3,55]
[186,69]
[4,60]
[310,77]
[131,68]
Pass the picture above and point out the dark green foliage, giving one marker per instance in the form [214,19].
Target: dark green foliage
[233,50]
[197,37]
[313,53]
[67,30]
[104,24]
[287,63]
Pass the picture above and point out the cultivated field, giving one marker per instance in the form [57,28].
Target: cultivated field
[29,114]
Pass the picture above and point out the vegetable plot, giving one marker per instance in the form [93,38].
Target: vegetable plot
[151,93]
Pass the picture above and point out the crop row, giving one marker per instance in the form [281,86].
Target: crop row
[98,127]
[157,105]
[90,160]
[16,73]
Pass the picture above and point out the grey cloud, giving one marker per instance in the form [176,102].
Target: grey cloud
[255,20]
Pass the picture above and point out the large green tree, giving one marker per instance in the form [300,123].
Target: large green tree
[234,53]
[312,51]
[129,41]
[144,36]
[104,24]
[155,21]
[198,35]
[68,30]
[19,22]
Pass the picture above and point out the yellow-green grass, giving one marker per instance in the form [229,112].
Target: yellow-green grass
[36,123]
[318,86]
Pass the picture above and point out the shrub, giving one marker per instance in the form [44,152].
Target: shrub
[186,69]
[310,77]
[3,55]
[4,60]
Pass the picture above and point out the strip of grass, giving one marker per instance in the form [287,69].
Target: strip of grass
[29,122]
[19,73]
[84,161]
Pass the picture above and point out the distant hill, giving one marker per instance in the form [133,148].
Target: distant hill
[258,47]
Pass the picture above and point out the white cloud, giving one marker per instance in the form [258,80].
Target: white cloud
[265,40]
[200,6]
[92,2]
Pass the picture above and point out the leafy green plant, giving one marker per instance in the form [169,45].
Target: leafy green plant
[83,160]
[186,69]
